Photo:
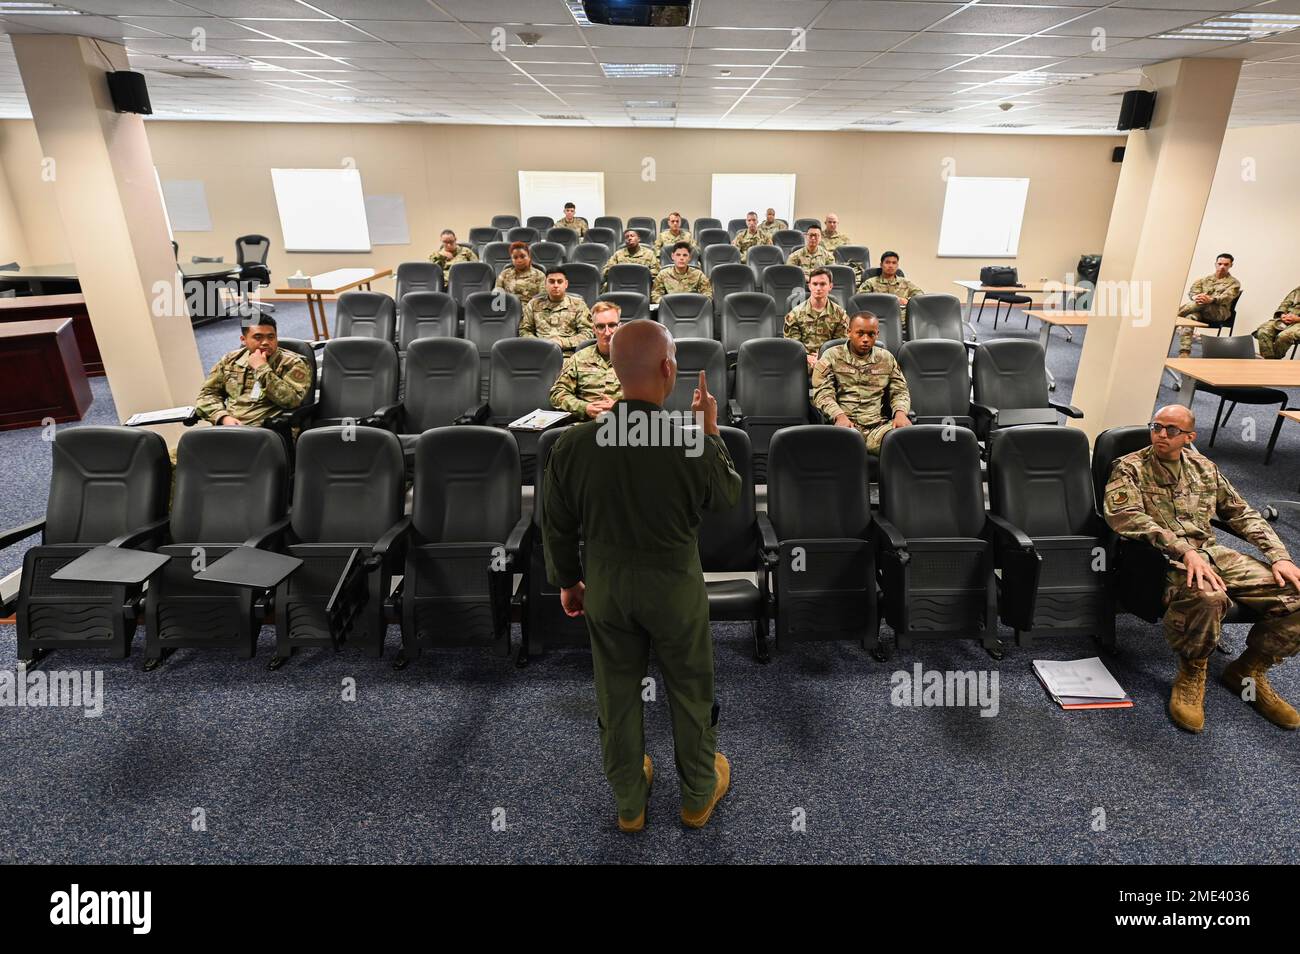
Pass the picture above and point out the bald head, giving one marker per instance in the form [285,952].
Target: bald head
[1169,447]
[645,359]
[1176,414]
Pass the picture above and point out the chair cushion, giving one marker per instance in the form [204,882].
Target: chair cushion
[1017,416]
[733,599]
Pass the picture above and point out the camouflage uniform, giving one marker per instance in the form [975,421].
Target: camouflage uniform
[745,241]
[643,256]
[667,239]
[832,242]
[809,260]
[1170,507]
[776,226]
[898,286]
[251,396]
[463,254]
[812,329]
[579,225]
[567,322]
[844,383]
[1276,337]
[525,287]
[1223,290]
[587,375]
[669,282]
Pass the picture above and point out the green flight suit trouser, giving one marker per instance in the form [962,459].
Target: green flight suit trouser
[629,608]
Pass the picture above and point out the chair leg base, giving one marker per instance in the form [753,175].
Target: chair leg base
[402,661]
[277,662]
[35,659]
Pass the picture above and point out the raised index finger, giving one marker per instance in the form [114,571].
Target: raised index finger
[704,386]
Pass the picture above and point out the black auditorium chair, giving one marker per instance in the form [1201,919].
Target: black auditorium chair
[467,278]
[505,221]
[540,222]
[747,315]
[846,254]
[770,393]
[611,222]
[347,527]
[1049,541]
[480,236]
[628,277]
[934,544]
[584,281]
[889,317]
[591,253]
[686,315]
[547,255]
[937,372]
[1009,386]
[417,277]
[543,621]
[803,225]
[231,490]
[1239,346]
[877,271]
[823,565]
[705,238]
[362,314]
[843,283]
[647,237]
[425,314]
[666,257]
[724,254]
[787,285]
[706,223]
[564,237]
[663,224]
[522,372]
[490,318]
[606,237]
[441,381]
[496,256]
[108,489]
[934,316]
[522,233]
[644,222]
[359,380]
[729,278]
[787,240]
[467,541]
[762,257]
[632,305]
[736,226]
[693,356]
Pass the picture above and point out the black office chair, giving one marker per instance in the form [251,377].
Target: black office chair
[490,318]
[207,259]
[584,281]
[564,237]
[937,372]
[547,254]
[1009,386]
[645,222]
[847,254]
[417,277]
[251,252]
[823,565]
[466,543]
[629,278]
[366,315]
[934,316]
[348,528]
[1239,346]
[1051,544]
[707,223]
[599,236]
[803,225]
[481,235]
[705,238]
[936,558]
[496,255]
[787,285]
[748,315]
[887,312]
[611,222]
[770,393]
[441,380]
[787,240]
[632,305]
[108,488]
[686,315]
[231,489]
[730,278]
[505,222]
[591,253]
[1011,299]
[540,222]
[715,255]
[425,314]
[693,356]
[843,283]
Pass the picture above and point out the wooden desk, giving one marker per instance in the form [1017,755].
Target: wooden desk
[1233,373]
[37,307]
[1046,289]
[41,374]
[205,278]
[332,283]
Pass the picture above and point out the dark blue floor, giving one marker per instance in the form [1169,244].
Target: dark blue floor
[415,768]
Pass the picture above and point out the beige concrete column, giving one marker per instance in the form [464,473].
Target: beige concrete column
[1163,189]
[107,194]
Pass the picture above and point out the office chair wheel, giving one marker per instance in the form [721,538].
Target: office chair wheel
[277,662]
[1269,512]
[401,662]
[1052,386]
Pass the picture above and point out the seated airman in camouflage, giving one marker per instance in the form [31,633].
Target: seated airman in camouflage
[772,224]
[557,315]
[1281,333]
[587,386]
[571,221]
[256,381]
[817,320]
[751,236]
[1166,495]
[633,253]
[813,254]
[680,277]
[1211,300]
[889,282]
[521,277]
[852,382]
[673,234]
[450,253]
[832,237]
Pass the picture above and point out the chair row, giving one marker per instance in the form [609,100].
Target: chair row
[541,223]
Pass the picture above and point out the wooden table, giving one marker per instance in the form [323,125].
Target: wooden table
[62,278]
[1030,288]
[1051,317]
[41,373]
[1233,373]
[38,307]
[332,283]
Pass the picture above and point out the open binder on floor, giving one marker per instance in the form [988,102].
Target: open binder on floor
[1081,684]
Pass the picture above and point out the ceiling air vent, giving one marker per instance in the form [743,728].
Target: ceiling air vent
[560,117]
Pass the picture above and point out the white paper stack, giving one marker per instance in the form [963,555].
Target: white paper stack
[1081,684]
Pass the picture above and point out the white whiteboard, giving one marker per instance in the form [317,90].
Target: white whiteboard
[186,203]
[321,210]
[736,195]
[982,217]
[544,193]
[386,219]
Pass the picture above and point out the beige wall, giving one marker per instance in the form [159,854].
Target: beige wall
[888,188]
[1256,219]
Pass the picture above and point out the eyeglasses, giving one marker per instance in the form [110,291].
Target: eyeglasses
[1169,429]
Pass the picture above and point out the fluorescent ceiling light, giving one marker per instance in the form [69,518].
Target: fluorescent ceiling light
[649,104]
[640,70]
[579,14]
[372,100]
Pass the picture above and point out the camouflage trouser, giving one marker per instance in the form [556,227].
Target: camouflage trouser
[873,434]
[1211,313]
[1276,338]
[1193,618]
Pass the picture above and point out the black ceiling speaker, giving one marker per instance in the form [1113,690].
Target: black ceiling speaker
[129,93]
[654,13]
[1136,110]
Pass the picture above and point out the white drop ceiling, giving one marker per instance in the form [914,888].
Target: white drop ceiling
[901,65]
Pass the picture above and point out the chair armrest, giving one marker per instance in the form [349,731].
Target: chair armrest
[384,417]
[769,545]
[734,414]
[519,536]
[261,540]
[970,345]
[318,345]
[475,415]
[1069,410]
[396,533]
[888,535]
[139,535]
[1004,533]
[290,418]
[983,410]
[9,537]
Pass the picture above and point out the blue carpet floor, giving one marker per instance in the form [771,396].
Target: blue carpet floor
[420,765]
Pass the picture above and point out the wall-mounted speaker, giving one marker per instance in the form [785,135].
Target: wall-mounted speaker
[1136,109]
[1117,154]
[130,95]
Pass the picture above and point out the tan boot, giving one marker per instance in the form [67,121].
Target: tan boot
[722,768]
[1254,665]
[1187,701]
[638,823]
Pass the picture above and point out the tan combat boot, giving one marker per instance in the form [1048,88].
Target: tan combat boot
[1253,664]
[1187,701]
[722,769]
[638,823]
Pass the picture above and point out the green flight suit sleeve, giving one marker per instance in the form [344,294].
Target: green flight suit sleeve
[285,390]
[723,489]
[1246,522]
[823,386]
[211,402]
[560,531]
[564,392]
[1125,514]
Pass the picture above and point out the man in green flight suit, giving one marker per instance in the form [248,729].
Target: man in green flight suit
[632,486]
